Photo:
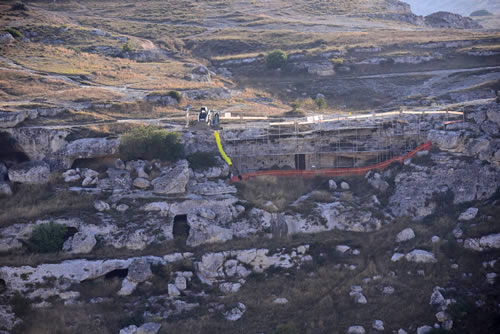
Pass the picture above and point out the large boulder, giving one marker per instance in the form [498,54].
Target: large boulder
[446,140]
[139,271]
[80,243]
[451,20]
[88,148]
[420,256]
[174,181]
[31,172]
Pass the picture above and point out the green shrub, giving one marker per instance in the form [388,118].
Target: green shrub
[176,95]
[47,238]
[149,142]
[276,59]
[202,160]
[288,328]
[127,48]
[320,102]
[15,33]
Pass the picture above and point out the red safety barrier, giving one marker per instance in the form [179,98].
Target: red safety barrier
[329,172]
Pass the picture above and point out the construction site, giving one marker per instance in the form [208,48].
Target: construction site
[326,144]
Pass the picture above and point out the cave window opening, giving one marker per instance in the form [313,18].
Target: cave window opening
[181,228]
[120,273]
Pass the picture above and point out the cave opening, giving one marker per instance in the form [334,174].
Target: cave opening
[10,152]
[120,273]
[181,229]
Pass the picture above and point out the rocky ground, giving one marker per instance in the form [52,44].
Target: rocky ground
[154,246]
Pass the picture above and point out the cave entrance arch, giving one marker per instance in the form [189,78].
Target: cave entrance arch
[10,152]
[181,229]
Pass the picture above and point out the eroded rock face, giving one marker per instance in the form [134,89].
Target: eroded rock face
[451,20]
[11,119]
[450,180]
[31,172]
[172,182]
[88,148]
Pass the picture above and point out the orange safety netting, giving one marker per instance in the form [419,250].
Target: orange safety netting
[329,172]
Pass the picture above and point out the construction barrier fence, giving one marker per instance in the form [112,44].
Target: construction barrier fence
[331,172]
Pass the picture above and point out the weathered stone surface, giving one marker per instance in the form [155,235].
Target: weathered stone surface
[356,330]
[80,243]
[378,325]
[235,313]
[344,185]
[88,148]
[490,241]
[469,214]
[420,256]
[280,301]
[332,185]
[31,172]
[127,288]
[450,20]
[446,140]
[424,329]
[229,287]
[174,181]
[141,183]
[8,319]
[181,283]
[405,235]
[5,189]
[161,99]
[139,271]
[11,119]
[101,206]
[132,329]
[450,178]
[149,328]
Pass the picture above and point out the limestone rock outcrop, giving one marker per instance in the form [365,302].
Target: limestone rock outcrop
[30,172]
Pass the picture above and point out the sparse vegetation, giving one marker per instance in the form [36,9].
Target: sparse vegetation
[14,32]
[202,160]
[176,95]
[276,59]
[47,238]
[149,142]
[127,48]
[321,103]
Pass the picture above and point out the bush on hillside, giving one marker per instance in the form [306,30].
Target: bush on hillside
[320,102]
[149,142]
[19,6]
[47,238]
[276,59]
[202,160]
[15,33]
[176,95]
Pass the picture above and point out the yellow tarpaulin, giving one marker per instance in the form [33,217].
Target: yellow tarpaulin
[221,150]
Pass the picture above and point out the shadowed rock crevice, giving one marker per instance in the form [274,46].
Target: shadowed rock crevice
[10,151]
[181,229]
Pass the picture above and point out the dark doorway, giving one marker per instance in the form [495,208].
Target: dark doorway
[3,286]
[181,229]
[300,161]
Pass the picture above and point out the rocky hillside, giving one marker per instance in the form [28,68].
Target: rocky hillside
[462,7]
[118,217]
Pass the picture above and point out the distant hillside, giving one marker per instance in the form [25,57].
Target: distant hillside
[462,7]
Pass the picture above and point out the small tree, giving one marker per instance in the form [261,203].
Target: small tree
[176,95]
[276,59]
[320,103]
[47,238]
[149,142]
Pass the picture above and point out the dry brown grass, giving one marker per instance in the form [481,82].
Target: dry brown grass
[31,202]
